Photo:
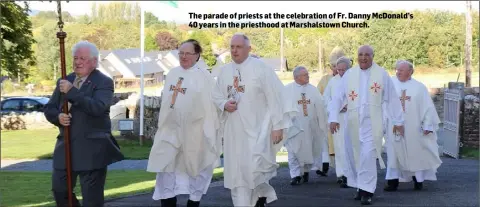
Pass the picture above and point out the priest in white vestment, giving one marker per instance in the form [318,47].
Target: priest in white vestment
[249,94]
[365,87]
[186,145]
[415,155]
[309,131]
[327,158]
[342,65]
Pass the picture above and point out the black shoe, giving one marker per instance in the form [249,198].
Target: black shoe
[169,202]
[296,180]
[339,180]
[366,200]
[305,177]
[365,197]
[358,195]
[261,202]
[191,203]
[343,182]
[324,171]
[417,185]
[392,185]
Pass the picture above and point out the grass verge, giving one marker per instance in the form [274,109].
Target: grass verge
[33,188]
[39,144]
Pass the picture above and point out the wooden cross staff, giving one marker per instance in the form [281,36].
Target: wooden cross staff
[61,35]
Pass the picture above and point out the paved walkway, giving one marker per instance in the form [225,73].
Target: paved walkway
[46,165]
[457,186]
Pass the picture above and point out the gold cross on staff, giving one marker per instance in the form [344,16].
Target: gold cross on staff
[177,89]
[404,98]
[304,102]
[239,88]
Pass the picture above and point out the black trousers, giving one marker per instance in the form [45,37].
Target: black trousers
[92,184]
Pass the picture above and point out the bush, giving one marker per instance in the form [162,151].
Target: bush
[7,86]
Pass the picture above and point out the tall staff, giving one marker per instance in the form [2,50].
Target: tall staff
[61,35]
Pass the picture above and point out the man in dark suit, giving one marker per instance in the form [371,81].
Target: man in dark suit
[93,148]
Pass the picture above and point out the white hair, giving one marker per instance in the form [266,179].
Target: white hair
[400,62]
[369,47]
[86,44]
[297,70]
[336,53]
[245,38]
[345,60]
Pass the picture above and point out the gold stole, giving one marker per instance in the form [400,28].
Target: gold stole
[375,95]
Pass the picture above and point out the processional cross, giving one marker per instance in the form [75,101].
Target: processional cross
[304,101]
[404,98]
[176,89]
[61,35]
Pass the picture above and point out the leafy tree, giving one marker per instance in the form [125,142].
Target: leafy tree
[47,52]
[166,41]
[17,39]
[150,44]
[205,42]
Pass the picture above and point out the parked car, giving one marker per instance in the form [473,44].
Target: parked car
[23,104]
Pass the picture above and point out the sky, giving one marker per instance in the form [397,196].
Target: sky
[181,14]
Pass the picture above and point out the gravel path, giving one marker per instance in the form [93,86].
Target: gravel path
[46,165]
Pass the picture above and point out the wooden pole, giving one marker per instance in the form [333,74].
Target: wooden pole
[468,45]
[61,35]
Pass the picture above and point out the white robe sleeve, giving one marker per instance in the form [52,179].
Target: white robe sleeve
[327,93]
[393,105]
[335,104]
[219,98]
[164,105]
[274,94]
[429,112]
[321,115]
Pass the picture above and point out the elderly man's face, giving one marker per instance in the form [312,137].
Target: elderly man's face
[404,73]
[239,49]
[83,63]
[302,77]
[341,68]
[365,57]
[334,69]
[187,55]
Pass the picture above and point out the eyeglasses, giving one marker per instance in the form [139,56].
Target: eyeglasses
[186,53]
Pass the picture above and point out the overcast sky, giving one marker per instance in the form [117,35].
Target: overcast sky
[164,12]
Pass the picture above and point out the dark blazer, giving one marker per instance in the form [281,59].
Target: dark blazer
[91,140]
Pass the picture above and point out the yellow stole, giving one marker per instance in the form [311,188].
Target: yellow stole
[375,96]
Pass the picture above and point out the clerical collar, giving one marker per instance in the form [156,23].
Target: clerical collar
[242,64]
[299,84]
[193,66]
[368,69]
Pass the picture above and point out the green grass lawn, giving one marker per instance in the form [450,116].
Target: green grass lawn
[33,188]
[39,144]
[469,152]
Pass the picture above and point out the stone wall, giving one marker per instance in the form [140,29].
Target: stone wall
[469,136]
[471,122]
[152,106]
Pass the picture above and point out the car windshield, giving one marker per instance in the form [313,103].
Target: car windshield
[43,100]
